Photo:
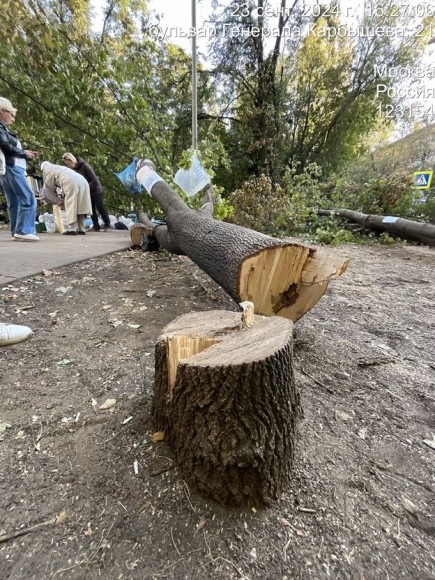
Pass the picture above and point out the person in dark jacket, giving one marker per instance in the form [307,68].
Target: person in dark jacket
[96,189]
[19,196]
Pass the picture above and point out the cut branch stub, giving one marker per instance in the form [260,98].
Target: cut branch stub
[226,398]
[280,278]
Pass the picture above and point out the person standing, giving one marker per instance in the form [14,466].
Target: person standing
[74,189]
[96,189]
[19,196]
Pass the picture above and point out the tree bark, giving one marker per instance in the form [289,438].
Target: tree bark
[280,278]
[403,228]
[226,398]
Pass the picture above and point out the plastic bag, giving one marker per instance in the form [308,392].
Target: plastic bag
[128,178]
[193,179]
[49,221]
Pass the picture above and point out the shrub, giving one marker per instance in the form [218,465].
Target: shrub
[260,205]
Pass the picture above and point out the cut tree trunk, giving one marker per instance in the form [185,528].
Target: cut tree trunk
[403,228]
[226,398]
[280,278]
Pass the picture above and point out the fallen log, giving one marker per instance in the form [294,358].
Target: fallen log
[401,227]
[280,278]
[226,398]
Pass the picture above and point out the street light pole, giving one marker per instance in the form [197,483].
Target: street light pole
[194,82]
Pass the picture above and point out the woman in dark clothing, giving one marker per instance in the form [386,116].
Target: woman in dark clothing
[19,196]
[96,189]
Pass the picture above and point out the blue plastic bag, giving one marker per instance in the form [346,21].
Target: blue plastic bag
[128,178]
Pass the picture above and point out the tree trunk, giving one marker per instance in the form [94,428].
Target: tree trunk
[226,398]
[403,228]
[280,278]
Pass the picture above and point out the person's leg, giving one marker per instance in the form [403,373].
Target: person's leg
[98,200]
[26,211]
[11,200]
[94,215]
[81,224]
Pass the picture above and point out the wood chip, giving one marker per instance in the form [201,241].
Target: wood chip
[108,404]
[159,436]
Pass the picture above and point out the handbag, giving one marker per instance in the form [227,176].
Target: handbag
[50,197]
[2,163]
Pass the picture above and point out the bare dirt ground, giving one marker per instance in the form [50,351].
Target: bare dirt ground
[361,502]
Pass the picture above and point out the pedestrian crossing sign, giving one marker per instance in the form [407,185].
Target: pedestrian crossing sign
[422,179]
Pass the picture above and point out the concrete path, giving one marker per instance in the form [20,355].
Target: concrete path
[21,259]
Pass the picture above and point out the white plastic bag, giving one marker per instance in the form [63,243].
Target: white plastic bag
[50,226]
[193,179]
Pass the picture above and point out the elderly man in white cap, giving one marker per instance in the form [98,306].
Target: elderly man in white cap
[19,196]
[74,189]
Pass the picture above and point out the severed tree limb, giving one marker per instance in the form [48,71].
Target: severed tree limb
[280,278]
[401,227]
[209,200]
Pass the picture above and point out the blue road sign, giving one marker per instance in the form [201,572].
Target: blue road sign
[422,179]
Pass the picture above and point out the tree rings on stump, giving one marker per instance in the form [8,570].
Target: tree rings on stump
[225,395]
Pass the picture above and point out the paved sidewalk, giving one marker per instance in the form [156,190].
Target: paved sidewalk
[20,259]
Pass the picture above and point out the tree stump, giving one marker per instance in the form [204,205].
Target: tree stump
[226,398]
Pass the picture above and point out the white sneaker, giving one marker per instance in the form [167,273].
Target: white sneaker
[13,333]
[28,237]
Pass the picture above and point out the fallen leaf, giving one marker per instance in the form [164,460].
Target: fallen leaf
[284,522]
[94,403]
[106,307]
[65,361]
[135,326]
[143,308]
[47,273]
[53,314]
[363,432]
[61,518]
[116,323]
[151,293]
[108,404]
[340,416]
[4,426]
[159,436]
[38,446]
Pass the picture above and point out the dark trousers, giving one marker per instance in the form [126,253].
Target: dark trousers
[98,204]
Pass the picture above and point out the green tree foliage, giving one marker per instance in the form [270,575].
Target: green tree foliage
[310,94]
[106,96]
